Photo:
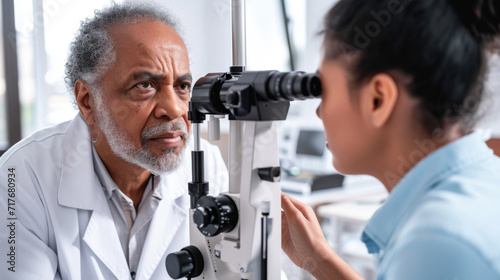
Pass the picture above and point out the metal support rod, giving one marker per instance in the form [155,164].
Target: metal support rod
[238,37]
[196,136]
[238,31]
[236,146]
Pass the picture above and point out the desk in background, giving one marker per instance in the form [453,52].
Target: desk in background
[354,188]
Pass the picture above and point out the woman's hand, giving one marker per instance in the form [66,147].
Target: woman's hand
[301,235]
[304,243]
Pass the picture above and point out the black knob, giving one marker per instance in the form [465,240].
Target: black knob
[185,263]
[201,217]
[214,215]
[271,174]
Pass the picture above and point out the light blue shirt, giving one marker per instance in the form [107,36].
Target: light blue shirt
[442,220]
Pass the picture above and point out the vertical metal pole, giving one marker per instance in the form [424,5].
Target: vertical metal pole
[238,30]
[196,136]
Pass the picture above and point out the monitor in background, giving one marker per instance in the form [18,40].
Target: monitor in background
[311,143]
[303,150]
[305,160]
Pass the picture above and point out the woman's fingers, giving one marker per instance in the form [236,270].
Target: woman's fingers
[294,206]
[301,236]
[285,234]
[288,206]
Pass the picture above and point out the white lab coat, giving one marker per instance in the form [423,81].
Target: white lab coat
[63,225]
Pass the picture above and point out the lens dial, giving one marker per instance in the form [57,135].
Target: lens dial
[214,215]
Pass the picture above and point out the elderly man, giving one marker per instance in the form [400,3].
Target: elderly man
[105,195]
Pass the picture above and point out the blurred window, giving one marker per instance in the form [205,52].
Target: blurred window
[3,98]
[45,29]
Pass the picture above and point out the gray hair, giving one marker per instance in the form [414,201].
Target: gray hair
[91,53]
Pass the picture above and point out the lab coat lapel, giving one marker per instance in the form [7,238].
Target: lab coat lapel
[102,238]
[169,217]
[76,190]
[79,188]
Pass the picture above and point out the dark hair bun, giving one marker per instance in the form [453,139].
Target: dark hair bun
[482,17]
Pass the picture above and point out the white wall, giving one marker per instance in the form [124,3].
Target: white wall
[206,32]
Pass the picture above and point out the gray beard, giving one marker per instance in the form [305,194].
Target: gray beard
[118,140]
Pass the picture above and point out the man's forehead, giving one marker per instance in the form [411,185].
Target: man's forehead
[149,45]
[146,33]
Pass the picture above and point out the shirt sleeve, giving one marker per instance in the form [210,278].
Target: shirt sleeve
[24,233]
[434,255]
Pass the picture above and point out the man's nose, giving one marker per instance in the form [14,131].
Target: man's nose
[169,105]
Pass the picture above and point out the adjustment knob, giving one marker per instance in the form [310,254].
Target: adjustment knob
[271,174]
[185,263]
[214,215]
[201,217]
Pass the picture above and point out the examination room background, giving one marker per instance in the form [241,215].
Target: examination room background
[37,33]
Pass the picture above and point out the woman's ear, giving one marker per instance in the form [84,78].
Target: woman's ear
[82,95]
[382,96]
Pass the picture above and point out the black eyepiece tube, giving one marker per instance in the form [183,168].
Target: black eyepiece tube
[252,95]
[286,86]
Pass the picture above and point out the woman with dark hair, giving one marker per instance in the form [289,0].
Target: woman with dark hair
[402,81]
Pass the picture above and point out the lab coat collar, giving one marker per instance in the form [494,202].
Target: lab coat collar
[426,174]
[170,215]
[78,186]
[174,205]
[102,238]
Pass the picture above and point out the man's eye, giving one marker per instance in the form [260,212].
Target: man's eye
[145,84]
[185,86]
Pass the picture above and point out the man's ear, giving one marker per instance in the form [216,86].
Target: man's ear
[383,94]
[82,96]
